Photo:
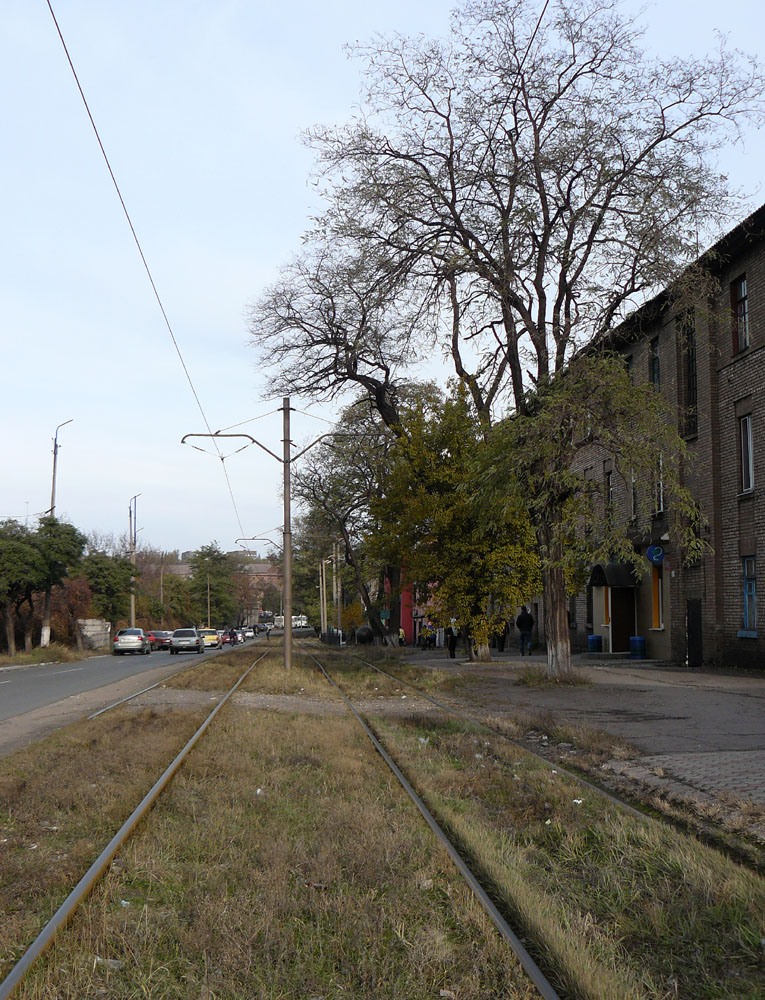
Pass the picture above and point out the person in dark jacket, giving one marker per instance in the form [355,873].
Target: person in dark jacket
[525,623]
[452,634]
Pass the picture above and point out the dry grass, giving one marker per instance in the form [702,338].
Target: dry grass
[61,800]
[626,909]
[284,862]
[532,675]
[55,653]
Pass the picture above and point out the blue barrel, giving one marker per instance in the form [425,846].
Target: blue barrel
[594,643]
[637,647]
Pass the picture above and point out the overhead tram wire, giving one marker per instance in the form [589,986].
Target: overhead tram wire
[145,263]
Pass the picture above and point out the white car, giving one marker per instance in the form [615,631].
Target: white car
[187,640]
[131,640]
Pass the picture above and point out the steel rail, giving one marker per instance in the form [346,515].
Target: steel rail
[530,967]
[632,810]
[45,938]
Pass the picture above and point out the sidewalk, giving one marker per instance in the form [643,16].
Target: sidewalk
[701,734]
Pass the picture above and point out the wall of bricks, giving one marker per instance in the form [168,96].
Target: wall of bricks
[729,383]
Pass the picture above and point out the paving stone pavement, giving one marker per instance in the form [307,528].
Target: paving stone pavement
[700,734]
[735,775]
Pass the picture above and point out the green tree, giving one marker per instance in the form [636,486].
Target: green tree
[473,561]
[527,181]
[213,585]
[537,458]
[22,572]
[61,545]
[109,579]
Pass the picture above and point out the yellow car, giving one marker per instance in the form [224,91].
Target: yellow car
[210,637]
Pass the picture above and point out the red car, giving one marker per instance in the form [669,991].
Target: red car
[159,639]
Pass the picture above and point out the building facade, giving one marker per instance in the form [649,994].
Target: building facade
[706,355]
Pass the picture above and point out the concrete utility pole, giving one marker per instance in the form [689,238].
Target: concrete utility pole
[45,630]
[133,528]
[338,588]
[287,582]
[286,460]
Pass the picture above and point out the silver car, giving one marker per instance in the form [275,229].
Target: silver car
[131,640]
[187,640]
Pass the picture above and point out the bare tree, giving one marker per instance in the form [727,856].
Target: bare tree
[534,179]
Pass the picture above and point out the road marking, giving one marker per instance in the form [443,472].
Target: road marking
[5,682]
[72,671]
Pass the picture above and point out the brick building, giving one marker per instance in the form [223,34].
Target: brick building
[707,357]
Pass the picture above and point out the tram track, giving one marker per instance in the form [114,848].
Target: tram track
[240,807]
[546,989]
[98,868]
[461,835]
[631,800]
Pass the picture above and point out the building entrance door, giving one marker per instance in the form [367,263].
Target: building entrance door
[622,618]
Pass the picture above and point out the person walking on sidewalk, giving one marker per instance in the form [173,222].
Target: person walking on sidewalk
[451,638]
[525,623]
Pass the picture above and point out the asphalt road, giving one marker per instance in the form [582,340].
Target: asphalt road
[24,689]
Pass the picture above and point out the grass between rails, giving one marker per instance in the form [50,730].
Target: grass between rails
[284,862]
[61,801]
[624,910]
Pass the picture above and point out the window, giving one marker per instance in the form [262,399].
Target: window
[657,597]
[739,308]
[687,335]
[654,371]
[750,594]
[659,507]
[633,494]
[747,456]
[609,490]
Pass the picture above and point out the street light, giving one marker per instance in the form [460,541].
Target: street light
[55,459]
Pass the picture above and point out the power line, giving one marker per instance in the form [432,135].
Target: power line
[143,260]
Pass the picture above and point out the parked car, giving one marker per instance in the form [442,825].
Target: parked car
[186,640]
[249,633]
[211,637]
[131,640]
[159,638]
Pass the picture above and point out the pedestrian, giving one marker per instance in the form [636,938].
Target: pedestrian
[233,637]
[401,636]
[525,623]
[451,638]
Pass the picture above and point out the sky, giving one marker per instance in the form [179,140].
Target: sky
[200,105]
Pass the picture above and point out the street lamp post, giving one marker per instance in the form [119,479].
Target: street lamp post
[45,630]
[52,510]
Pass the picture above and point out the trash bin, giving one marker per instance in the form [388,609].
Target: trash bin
[594,643]
[637,647]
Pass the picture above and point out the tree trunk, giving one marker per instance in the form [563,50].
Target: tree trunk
[10,633]
[480,653]
[45,630]
[374,618]
[556,623]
